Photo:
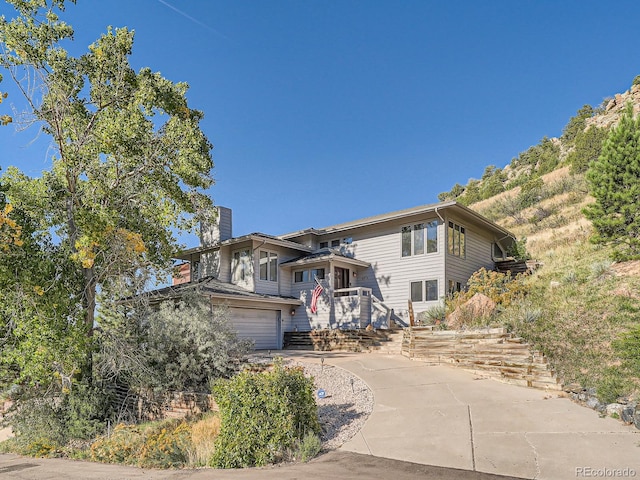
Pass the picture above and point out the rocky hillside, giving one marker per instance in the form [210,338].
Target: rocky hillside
[582,310]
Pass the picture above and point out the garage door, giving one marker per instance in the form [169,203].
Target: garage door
[261,326]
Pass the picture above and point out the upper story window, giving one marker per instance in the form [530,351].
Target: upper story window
[268,266]
[241,265]
[336,242]
[303,276]
[498,253]
[456,240]
[413,238]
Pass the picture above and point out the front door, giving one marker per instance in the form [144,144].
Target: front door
[341,279]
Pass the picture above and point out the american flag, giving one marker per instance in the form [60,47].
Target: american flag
[314,298]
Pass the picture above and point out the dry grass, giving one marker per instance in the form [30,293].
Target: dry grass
[582,302]
[203,437]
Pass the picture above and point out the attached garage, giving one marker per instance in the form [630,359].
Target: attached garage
[261,326]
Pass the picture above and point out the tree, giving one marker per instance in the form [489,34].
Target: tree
[577,123]
[455,192]
[130,162]
[614,181]
[177,345]
[588,145]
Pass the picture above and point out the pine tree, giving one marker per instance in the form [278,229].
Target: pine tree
[615,183]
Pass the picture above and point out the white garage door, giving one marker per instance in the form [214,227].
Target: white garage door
[261,326]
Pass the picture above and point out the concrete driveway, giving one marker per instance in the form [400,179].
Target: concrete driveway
[429,423]
[442,416]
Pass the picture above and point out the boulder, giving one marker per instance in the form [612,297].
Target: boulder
[476,307]
[636,417]
[627,414]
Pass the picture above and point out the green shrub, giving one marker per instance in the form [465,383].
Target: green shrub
[164,444]
[502,288]
[44,422]
[263,416]
[433,314]
[308,447]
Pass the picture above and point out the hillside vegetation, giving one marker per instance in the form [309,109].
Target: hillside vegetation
[582,309]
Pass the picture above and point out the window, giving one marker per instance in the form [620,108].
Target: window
[432,290]
[308,275]
[427,290]
[335,243]
[432,236]
[454,287]
[301,276]
[268,266]
[240,265]
[406,241]
[416,291]
[324,244]
[418,239]
[413,238]
[456,240]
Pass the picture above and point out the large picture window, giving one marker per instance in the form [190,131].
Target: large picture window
[456,240]
[240,265]
[268,266]
[413,238]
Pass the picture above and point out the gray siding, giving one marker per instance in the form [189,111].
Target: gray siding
[390,274]
[478,254]
[283,285]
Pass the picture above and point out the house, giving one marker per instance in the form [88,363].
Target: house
[368,269]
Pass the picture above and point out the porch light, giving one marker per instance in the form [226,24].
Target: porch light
[293,312]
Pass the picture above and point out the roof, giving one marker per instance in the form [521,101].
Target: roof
[261,237]
[399,214]
[218,289]
[325,254]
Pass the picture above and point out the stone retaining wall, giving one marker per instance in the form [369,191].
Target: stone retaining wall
[488,352]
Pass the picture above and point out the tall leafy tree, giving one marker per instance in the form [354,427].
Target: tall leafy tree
[129,161]
[615,183]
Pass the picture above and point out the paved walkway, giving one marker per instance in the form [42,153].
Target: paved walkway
[448,417]
[429,423]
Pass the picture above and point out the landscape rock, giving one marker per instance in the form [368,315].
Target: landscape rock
[636,417]
[476,307]
[627,414]
[614,409]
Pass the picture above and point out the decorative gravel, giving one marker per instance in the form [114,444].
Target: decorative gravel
[347,404]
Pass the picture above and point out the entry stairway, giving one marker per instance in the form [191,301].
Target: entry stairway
[379,341]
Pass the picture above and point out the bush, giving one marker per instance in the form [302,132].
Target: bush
[263,416]
[308,447]
[434,314]
[502,288]
[44,422]
[163,444]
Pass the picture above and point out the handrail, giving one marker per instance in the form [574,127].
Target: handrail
[360,292]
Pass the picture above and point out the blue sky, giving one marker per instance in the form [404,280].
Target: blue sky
[327,111]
